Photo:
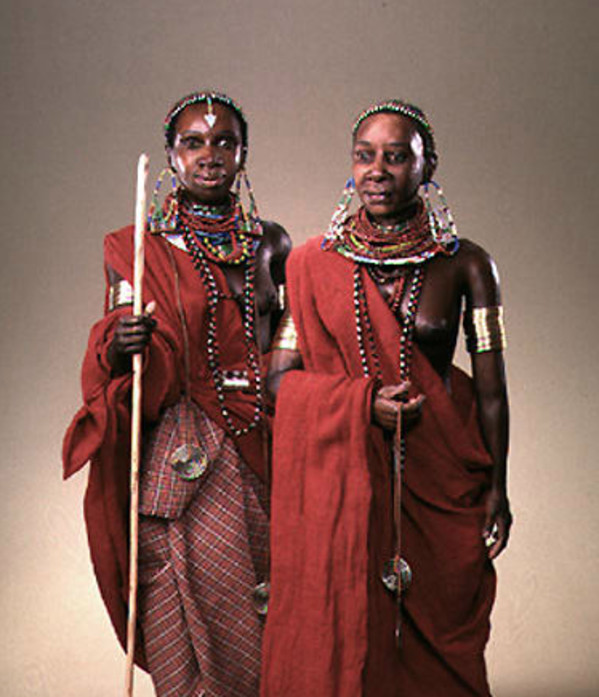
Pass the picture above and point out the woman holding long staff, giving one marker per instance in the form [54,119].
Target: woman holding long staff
[382,582]
[212,268]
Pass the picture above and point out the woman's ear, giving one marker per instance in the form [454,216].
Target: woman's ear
[243,156]
[430,167]
[169,158]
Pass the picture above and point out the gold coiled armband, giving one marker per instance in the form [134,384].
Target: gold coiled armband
[286,336]
[282,297]
[484,329]
[120,294]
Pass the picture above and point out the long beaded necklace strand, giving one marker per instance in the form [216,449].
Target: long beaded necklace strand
[199,261]
[382,275]
[396,574]
[364,325]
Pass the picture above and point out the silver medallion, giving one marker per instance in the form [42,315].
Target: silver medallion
[260,598]
[390,575]
[189,461]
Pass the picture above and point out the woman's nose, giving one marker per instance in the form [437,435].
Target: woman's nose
[208,154]
[378,165]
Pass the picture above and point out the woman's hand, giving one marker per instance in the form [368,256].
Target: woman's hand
[498,522]
[389,399]
[132,335]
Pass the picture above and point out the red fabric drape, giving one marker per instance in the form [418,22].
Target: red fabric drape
[330,628]
[100,431]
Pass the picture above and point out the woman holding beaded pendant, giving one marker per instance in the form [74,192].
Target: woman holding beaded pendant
[389,464]
[210,289]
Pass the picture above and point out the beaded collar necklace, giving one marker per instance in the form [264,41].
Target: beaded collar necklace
[223,233]
[410,242]
[198,257]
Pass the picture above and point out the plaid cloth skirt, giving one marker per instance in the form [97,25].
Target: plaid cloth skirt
[197,573]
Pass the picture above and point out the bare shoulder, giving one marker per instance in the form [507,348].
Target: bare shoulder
[275,239]
[274,249]
[474,260]
[479,273]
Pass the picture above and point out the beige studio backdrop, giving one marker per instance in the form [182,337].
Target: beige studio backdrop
[510,88]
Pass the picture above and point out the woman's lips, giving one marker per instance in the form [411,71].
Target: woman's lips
[377,196]
[210,181]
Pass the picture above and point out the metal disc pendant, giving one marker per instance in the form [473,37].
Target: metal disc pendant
[260,598]
[189,462]
[390,575]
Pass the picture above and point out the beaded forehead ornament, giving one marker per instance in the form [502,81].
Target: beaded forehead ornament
[207,98]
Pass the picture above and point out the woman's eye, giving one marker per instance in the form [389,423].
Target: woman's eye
[362,156]
[191,143]
[396,158]
[226,143]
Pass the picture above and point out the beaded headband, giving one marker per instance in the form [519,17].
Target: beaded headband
[395,106]
[205,98]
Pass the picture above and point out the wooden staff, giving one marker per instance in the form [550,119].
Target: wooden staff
[138,271]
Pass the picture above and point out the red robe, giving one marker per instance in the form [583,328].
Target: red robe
[100,431]
[330,627]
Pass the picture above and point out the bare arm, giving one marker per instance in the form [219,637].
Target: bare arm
[277,244]
[270,278]
[491,395]
[282,361]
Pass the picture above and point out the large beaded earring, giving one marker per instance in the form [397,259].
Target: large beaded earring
[341,213]
[251,219]
[162,216]
[440,219]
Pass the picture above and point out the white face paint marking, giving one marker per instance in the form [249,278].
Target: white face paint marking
[210,117]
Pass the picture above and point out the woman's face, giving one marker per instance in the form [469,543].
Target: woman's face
[207,152]
[388,165]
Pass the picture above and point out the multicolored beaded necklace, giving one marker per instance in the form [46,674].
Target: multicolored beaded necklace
[223,233]
[389,253]
[409,242]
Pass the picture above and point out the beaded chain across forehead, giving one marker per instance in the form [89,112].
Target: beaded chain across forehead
[395,106]
[208,98]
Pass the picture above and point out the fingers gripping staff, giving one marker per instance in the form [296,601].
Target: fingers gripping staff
[138,269]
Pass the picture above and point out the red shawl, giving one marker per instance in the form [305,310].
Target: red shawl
[330,628]
[100,431]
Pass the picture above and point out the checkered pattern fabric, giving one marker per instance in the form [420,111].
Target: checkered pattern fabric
[197,573]
[162,492]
